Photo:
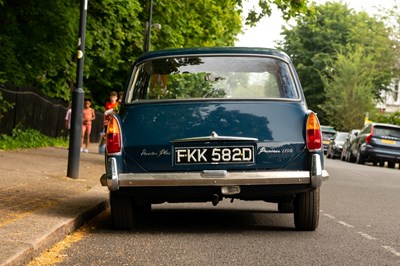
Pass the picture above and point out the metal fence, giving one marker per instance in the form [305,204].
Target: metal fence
[32,109]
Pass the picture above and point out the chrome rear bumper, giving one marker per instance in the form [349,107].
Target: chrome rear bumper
[114,181]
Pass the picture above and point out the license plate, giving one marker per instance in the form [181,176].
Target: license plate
[214,155]
[388,141]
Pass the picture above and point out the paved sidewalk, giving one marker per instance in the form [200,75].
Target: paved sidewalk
[39,205]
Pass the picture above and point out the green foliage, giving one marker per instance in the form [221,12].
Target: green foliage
[29,138]
[38,42]
[389,118]
[336,27]
[193,86]
[349,88]
[289,9]
[38,38]
[4,106]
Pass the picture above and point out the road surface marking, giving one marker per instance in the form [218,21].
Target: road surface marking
[329,216]
[392,250]
[367,236]
[346,224]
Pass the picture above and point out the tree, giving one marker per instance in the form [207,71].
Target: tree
[39,37]
[391,18]
[336,27]
[289,9]
[348,89]
[37,40]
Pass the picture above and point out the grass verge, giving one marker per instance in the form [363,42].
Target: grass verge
[29,138]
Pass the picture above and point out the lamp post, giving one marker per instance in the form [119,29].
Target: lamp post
[148,28]
[77,100]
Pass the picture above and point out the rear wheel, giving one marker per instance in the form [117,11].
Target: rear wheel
[285,207]
[350,158]
[391,164]
[342,157]
[360,159]
[306,210]
[121,211]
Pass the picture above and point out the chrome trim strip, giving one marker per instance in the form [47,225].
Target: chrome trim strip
[214,173]
[317,175]
[231,179]
[114,181]
[214,137]
[112,174]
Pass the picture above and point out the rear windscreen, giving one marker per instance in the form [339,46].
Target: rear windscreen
[214,77]
[387,131]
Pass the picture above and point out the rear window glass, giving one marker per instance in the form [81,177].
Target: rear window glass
[387,131]
[327,135]
[212,77]
[341,136]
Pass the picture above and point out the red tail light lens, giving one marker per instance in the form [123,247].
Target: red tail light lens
[113,137]
[368,138]
[313,133]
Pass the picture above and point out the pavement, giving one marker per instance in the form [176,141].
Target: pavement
[40,205]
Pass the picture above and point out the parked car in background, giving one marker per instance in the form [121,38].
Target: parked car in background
[207,124]
[377,143]
[345,155]
[327,133]
[335,145]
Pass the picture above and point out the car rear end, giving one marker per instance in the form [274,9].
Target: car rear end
[382,144]
[203,125]
[328,133]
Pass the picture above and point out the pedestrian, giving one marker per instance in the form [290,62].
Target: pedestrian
[88,117]
[120,95]
[68,118]
[109,107]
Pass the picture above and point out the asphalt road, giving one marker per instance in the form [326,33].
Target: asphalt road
[359,225]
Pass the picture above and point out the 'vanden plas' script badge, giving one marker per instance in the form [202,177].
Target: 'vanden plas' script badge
[274,151]
[162,152]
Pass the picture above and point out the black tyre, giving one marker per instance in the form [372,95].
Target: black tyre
[328,155]
[360,159]
[391,164]
[351,158]
[306,210]
[143,208]
[285,207]
[121,211]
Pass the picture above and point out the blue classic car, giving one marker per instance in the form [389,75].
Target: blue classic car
[206,124]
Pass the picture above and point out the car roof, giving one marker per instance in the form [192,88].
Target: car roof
[228,50]
[328,129]
[384,125]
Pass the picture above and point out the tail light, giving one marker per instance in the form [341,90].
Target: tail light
[113,136]
[313,133]
[369,136]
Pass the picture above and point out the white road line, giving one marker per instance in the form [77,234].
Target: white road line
[346,224]
[367,236]
[329,216]
[392,250]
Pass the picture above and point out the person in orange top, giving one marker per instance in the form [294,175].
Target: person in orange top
[110,106]
[88,117]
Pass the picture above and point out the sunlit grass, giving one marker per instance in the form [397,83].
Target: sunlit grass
[29,138]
